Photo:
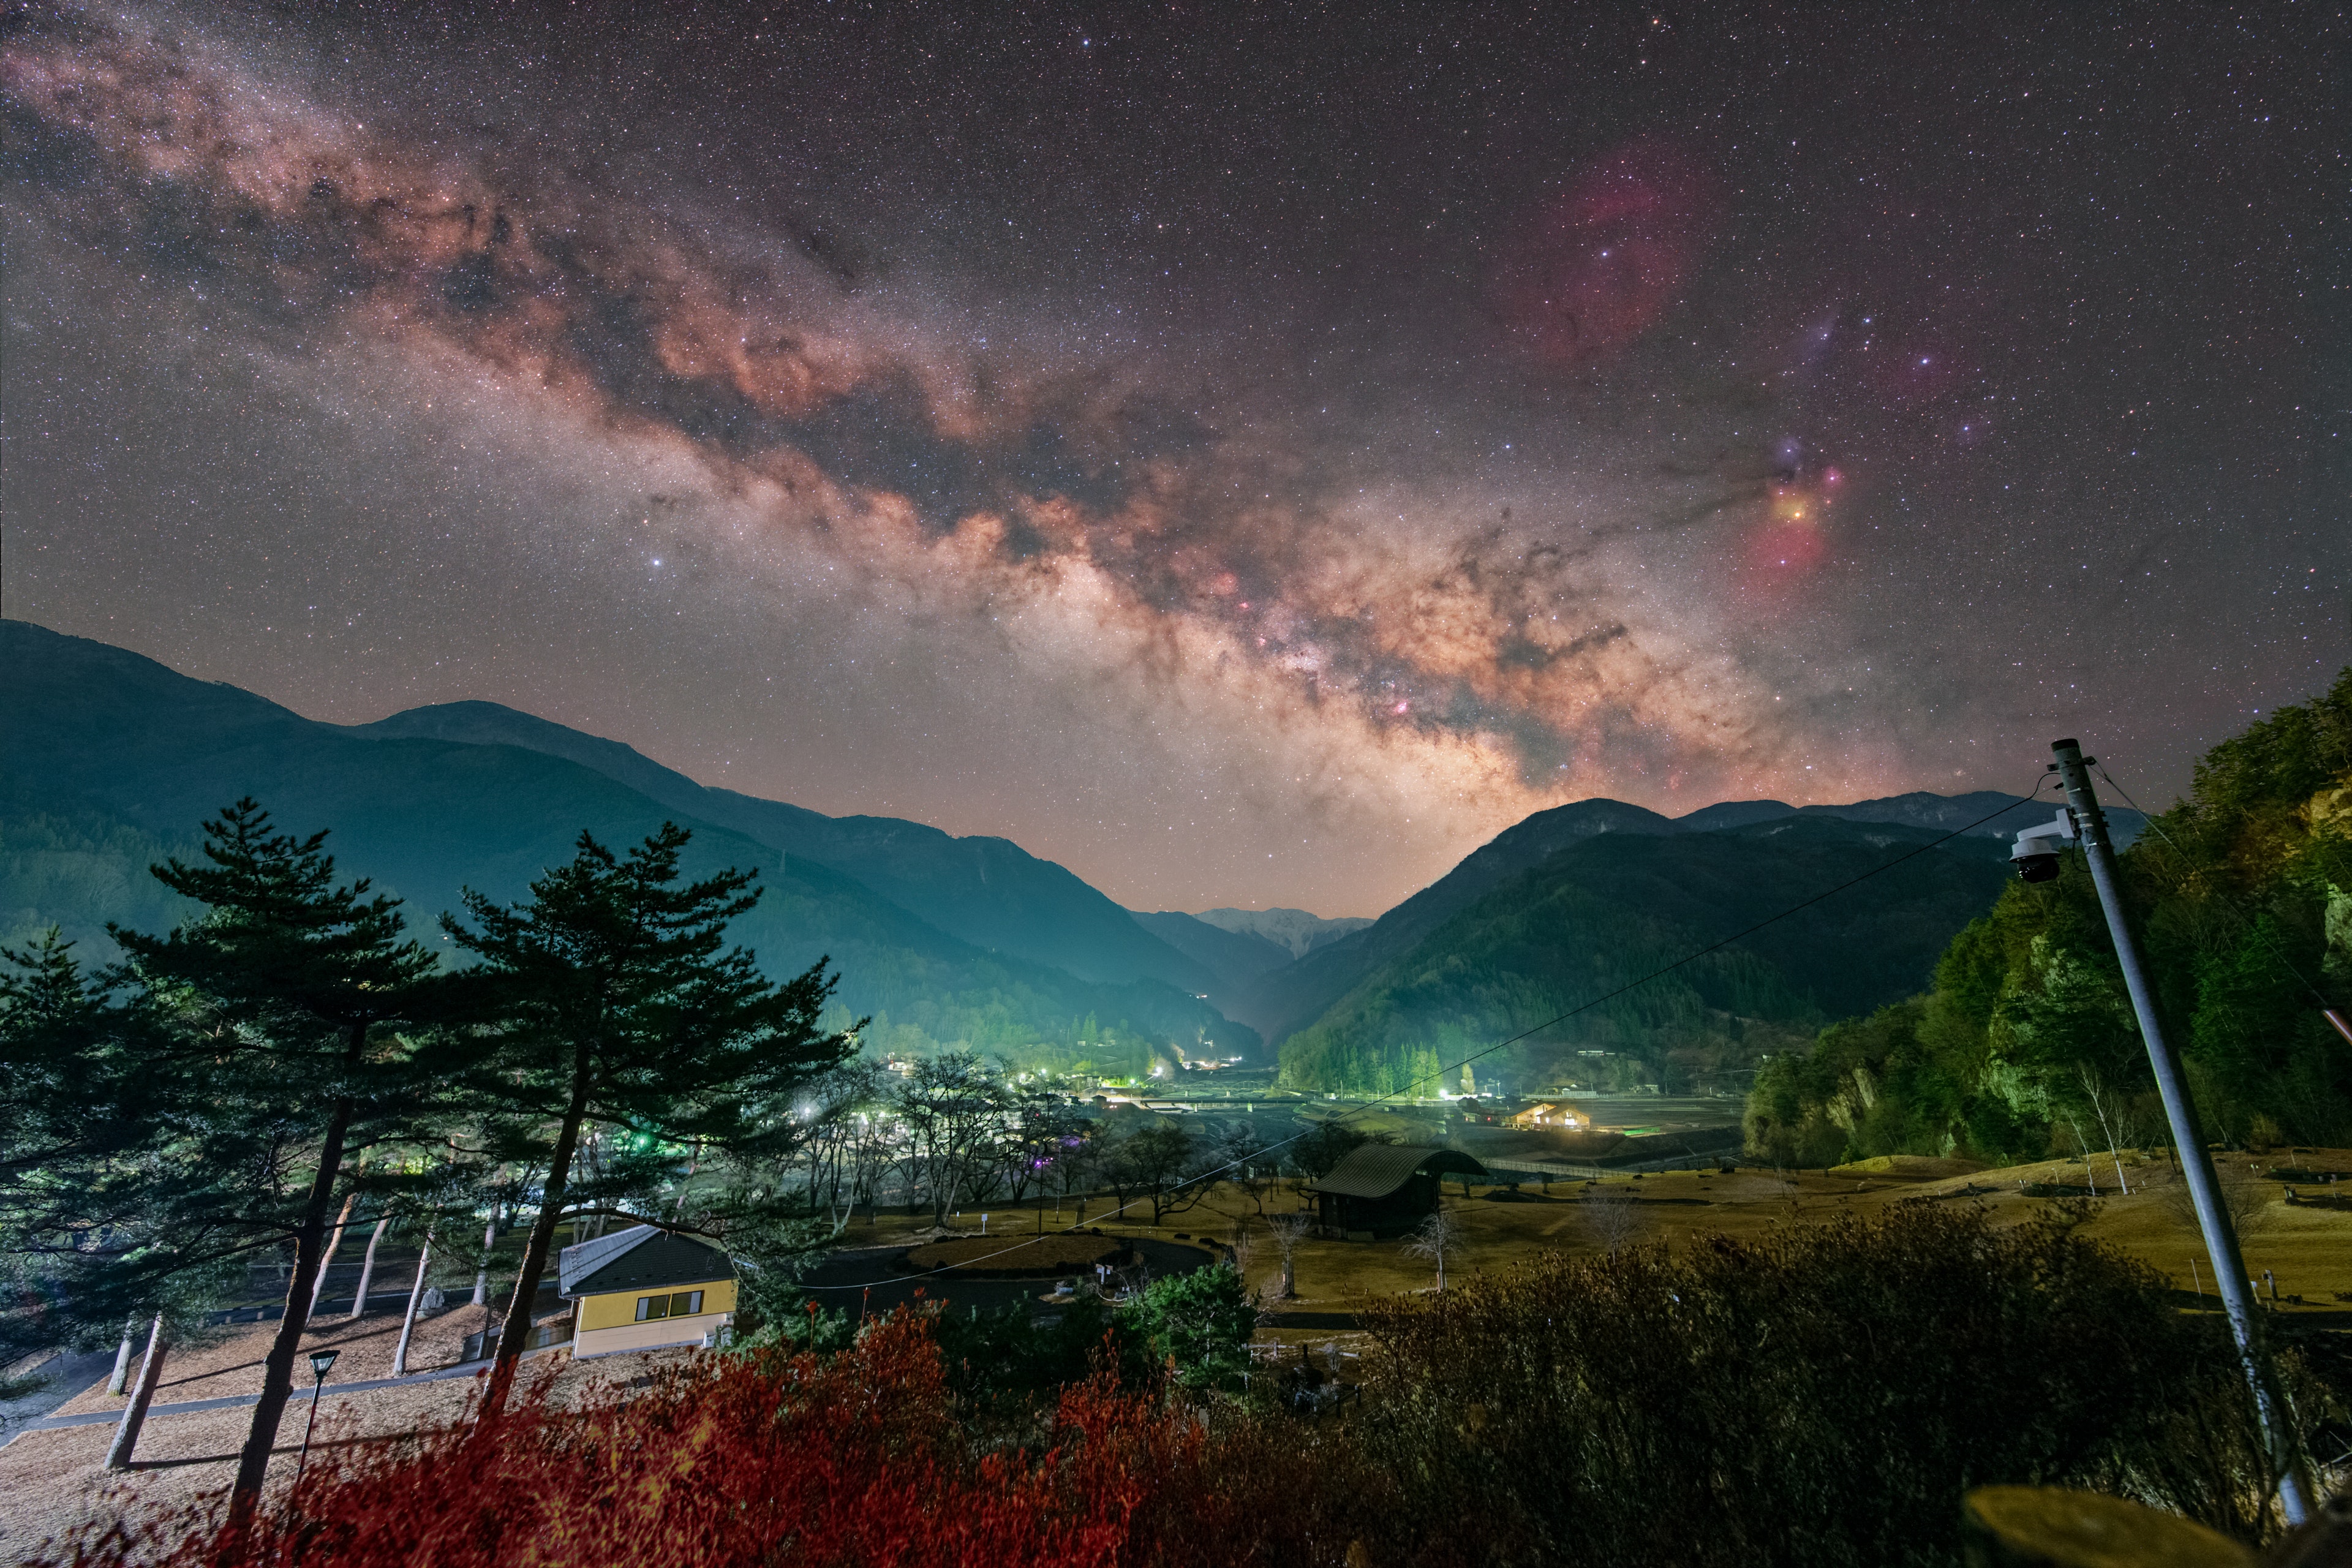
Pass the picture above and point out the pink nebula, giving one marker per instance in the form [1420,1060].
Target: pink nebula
[1599,265]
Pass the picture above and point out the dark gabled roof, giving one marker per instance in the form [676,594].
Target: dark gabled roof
[1376,1170]
[642,1258]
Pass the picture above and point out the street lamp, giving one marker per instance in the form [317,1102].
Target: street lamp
[2035,855]
[320,1361]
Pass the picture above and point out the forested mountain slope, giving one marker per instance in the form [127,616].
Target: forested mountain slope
[1287,1000]
[1234,958]
[111,760]
[989,891]
[2026,1041]
[1611,907]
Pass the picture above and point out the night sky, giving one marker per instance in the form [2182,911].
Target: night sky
[1249,459]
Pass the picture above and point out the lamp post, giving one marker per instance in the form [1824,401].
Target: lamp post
[2229,1279]
[320,1361]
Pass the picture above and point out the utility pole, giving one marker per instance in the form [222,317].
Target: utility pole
[2196,1166]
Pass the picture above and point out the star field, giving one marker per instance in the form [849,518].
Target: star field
[1248,457]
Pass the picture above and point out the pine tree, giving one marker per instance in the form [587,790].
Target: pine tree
[111,1196]
[293,982]
[71,1101]
[609,1004]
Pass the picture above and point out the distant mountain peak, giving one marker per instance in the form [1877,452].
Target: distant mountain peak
[1296,930]
[1993,813]
[476,722]
[986,890]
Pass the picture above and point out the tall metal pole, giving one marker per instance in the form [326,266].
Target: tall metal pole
[2196,1167]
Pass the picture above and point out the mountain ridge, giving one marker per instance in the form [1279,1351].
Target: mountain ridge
[1282,1002]
[1647,950]
[112,757]
[1296,931]
[1274,971]
[983,889]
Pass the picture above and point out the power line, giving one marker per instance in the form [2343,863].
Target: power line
[1585,1006]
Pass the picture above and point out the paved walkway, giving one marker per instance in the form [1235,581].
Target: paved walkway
[56,1380]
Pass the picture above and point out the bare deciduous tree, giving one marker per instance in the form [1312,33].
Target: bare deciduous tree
[1613,1215]
[1438,1237]
[1243,1248]
[2118,1118]
[952,1108]
[1247,1163]
[1160,1165]
[2246,1197]
[1288,1231]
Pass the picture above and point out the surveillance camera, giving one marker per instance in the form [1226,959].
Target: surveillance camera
[2035,853]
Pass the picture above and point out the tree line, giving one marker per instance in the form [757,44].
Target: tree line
[2025,1045]
[292,1064]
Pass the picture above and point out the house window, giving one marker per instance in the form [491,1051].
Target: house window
[683,1304]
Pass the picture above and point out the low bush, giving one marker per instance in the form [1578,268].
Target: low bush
[1824,1396]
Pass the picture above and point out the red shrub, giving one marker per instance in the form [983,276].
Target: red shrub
[786,1459]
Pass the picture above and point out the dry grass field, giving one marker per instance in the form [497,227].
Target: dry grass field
[2307,1249]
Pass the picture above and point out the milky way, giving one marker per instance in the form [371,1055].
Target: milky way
[1248,462]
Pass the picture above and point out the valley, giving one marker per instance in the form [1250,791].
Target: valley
[973,943]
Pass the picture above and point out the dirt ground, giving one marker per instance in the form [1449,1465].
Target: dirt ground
[232,1365]
[50,1480]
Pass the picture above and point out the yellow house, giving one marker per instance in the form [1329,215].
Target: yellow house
[644,1287]
[1551,1114]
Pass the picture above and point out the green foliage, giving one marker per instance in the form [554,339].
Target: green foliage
[2243,897]
[196,1106]
[123,1193]
[67,1106]
[268,1034]
[1201,1322]
[770,1253]
[1823,1395]
[1009,1358]
[1613,909]
[610,998]
[771,1310]
[76,872]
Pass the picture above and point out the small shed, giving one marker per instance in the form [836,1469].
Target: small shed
[644,1287]
[1386,1189]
